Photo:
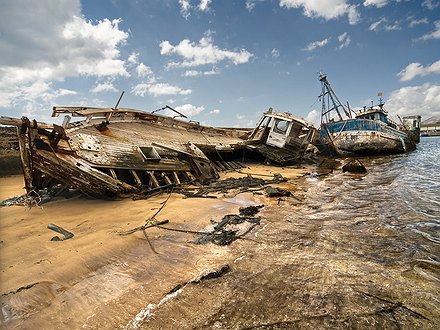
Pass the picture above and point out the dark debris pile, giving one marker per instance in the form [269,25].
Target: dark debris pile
[224,232]
[223,186]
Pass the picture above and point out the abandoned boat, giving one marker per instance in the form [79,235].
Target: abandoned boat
[345,132]
[114,151]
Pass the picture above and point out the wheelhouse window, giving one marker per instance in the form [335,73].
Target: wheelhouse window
[281,126]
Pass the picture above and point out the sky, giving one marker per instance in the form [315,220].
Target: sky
[221,62]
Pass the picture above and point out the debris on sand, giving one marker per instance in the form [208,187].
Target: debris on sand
[243,184]
[232,227]
[66,234]
[277,192]
[250,210]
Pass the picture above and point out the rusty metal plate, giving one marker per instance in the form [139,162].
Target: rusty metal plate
[89,148]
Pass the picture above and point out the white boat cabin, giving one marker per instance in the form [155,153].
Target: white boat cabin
[282,129]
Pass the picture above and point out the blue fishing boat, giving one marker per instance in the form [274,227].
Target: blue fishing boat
[345,132]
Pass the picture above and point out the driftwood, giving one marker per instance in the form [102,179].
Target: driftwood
[62,231]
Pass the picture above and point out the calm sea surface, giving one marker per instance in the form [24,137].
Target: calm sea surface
[349,251]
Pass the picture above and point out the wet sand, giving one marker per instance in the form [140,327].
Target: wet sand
[99,279]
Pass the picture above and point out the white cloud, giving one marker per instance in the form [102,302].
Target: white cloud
[421,100]
[275,53]
[104,87]
[375,3]
[434,34]
[60,43]
[375,25]
[431,4]
[204,5]
[414,22]
[192,73]
[189,109]
[344,40]
[195,73]
[211,72]
[316,44]
[329,9]
[143,70]
[133,58]
[215,112]
[184,8]
[158,89]
[380,24]
[205,52]
[250,4]
[416,69]
[393,27]
[314,117]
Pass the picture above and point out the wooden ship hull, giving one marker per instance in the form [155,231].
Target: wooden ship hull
[121,151]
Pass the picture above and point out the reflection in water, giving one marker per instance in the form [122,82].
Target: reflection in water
[358,251]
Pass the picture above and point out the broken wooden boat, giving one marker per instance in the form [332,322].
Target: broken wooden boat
[114,151]
[345,132]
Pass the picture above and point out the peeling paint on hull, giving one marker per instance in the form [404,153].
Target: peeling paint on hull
[358,143]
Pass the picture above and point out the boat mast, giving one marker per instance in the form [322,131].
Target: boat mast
[328,90]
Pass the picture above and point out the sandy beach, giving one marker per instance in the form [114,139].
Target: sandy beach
[99,279]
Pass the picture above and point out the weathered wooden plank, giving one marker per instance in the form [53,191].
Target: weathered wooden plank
[153,179]
[176,178]
[136,178]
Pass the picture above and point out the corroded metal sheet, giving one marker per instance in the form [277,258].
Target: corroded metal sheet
[89,148]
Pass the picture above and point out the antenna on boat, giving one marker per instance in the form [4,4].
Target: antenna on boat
[119,100]
[328,90]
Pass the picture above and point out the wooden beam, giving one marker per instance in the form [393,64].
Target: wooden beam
[176,178]
[153,179]
[113,174]
[136,178]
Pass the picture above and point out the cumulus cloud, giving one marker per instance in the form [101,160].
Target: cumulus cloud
[158,89]
[143,70]
[434,34]
[189,109]
[215,111]
[133,58]
[104,87]
[421,100]
[314,117]
[416,69]
[344,40]
[60,43]
[205,52]
[375,3]
[316,44]
[330,9]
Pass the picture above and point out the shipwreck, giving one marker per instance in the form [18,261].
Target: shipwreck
[110,152]
[345,132]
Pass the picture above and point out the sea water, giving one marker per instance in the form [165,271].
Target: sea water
[347,251]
